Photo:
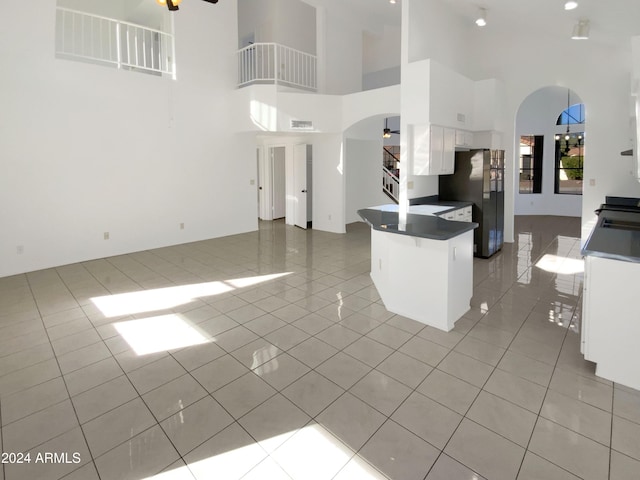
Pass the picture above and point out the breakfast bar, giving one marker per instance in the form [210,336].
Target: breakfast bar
[423,268]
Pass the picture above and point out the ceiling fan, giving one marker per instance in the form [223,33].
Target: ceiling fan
[172,5]
[386,133]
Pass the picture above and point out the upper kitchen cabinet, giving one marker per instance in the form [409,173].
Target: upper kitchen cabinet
[433,149]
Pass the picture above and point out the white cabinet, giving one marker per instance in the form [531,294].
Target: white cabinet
[430,281]
[463,214]
[464,139]
[432,149]
[449,151]
[610,326]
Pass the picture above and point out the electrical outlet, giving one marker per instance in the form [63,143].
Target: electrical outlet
[106,235]
[410,185]
[592,182]
[252,182]
[182,226]
[329,216]
[20,249]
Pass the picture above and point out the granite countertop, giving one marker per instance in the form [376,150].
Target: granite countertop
[616,235]
[418,225]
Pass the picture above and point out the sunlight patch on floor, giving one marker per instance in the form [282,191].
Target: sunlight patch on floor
[157,334]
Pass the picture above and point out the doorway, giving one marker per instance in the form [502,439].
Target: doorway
[285,179]
[271,182]
[302,186]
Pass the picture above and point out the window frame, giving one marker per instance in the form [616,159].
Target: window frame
[536,158]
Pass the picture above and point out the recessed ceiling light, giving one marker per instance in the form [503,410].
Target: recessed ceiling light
[393,2]
[570,5]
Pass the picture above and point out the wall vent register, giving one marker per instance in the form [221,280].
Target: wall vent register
[301,125]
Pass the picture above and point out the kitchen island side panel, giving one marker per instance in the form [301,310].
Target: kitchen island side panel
[427,280]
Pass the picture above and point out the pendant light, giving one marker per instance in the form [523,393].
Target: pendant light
[567,135]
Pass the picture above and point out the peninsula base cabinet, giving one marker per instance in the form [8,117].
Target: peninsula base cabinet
[610,319]
[430,281]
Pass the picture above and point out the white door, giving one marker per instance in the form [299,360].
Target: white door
[300,189]
[278,176]
[264,188]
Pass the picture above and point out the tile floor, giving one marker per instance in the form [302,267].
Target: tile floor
[269,355]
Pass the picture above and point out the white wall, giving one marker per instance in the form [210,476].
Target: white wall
[599,73]
[287,22]
[525,60]
[363,167]
[382,78]
[452,97]
[381,50]
[537,116]
[255,21]
[363,177]
[340,58]
[86,149]
[436,32]
[328,183]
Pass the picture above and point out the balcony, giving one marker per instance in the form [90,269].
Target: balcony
[274,64]
[105,41]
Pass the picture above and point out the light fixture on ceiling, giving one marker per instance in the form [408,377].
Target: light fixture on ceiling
[386,133]
[171,4]
[581,30]
[392,2]
[481,21]
[570,5]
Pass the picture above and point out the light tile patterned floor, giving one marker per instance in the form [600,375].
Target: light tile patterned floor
[295,369]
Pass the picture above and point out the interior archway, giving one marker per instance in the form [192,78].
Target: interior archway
[363,159]
[546,181]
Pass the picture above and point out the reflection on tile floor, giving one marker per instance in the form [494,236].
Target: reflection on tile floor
[269,355]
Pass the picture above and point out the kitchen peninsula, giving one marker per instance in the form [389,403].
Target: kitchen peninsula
[423,269]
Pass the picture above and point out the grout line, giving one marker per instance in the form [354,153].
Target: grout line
[66,386]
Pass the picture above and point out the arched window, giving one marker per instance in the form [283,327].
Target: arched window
[570,151]
[573,115]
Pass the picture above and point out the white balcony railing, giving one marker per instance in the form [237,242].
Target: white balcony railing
[91,38]
[271,63]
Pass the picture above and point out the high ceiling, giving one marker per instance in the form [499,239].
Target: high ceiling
[610,20]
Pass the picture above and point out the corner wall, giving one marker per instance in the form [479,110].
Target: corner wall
[88,149]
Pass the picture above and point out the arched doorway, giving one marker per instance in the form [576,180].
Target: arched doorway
[364,145]
[550,141]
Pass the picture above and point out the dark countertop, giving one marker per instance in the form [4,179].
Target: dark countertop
[434,200]
[615,236]
[424,226]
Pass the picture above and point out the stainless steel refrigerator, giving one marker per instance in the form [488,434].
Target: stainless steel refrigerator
[479,178]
